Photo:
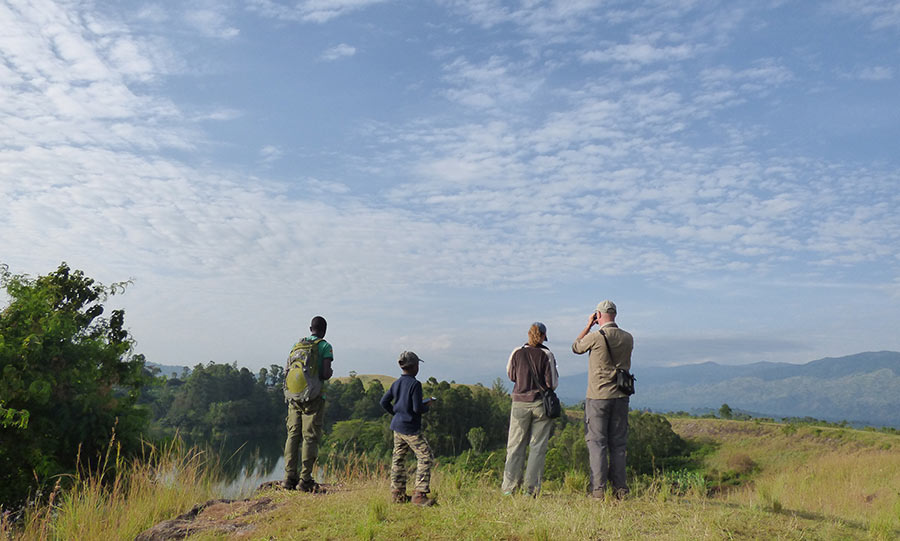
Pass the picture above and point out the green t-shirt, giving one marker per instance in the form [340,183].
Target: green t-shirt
[325,351]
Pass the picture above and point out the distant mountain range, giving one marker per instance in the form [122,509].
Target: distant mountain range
[861,389]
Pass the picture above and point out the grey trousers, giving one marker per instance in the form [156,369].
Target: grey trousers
[606,434]
[528,426]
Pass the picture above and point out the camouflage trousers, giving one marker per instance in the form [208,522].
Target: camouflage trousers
[403,443]
[305,421]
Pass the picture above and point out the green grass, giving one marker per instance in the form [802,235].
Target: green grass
[361,510]
[803,483]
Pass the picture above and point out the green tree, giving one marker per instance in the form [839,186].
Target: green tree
[726,412]
[69,371]
[221,400]
[368,406]
[360,435]
[477,437]
[458,409]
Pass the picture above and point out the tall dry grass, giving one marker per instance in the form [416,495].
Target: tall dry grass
[121,498]
[829,473]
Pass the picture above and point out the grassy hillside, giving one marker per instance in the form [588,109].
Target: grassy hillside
[824,473]
[764,481]
[386,381]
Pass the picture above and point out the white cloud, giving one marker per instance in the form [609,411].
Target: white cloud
[317,186]
[64,85]
[554,17]
[495,83]
[270,153]
[338,51]
[598,174]
[876,73]
[314,11]
[640,53]
[211,22]
[882,14]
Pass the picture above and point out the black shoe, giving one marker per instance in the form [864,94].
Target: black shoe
[312,487]
[289,484]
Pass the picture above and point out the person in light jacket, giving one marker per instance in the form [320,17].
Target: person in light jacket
[528,422]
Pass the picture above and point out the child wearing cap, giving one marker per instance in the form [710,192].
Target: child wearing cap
[404,401]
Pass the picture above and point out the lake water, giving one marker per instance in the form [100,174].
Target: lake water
[249,463]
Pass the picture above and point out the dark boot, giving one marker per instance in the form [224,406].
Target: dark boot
[312,487]
[422,499]
[289,484]
[399,496]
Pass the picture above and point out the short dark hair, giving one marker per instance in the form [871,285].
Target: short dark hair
[318,326]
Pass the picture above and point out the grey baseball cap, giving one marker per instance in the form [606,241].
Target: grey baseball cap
[606,307]
[408,358]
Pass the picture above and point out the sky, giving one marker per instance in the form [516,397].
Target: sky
[436,175]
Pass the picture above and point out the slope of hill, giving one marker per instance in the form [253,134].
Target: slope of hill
[863,388]
[366,379]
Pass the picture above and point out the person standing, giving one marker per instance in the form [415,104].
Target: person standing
[404,401]
[606,407]
[308,365]
[531,368]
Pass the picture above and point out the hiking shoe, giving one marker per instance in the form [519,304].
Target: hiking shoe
[399,496]
[311,487]
[289,484]
[422,499]
[621,493]
[598,494]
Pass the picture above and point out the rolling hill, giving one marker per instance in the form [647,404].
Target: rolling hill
[862,389]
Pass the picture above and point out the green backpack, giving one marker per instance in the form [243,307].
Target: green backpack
[302,382]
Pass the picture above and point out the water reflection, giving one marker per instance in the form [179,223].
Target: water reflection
[245,464]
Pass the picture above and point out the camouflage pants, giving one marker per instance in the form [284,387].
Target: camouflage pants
[425,458]
[304,421]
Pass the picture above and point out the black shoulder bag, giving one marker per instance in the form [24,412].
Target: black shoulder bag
[624,379]
[551,402]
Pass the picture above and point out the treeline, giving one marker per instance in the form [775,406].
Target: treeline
[224,401]
[467,425]
[216,401]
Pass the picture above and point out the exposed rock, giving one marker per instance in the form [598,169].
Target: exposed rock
[222,516]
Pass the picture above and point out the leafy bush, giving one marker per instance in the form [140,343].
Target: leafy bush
[361,436]
[652,444]
[69,376]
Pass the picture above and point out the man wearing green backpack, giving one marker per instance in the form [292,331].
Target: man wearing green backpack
[308,365]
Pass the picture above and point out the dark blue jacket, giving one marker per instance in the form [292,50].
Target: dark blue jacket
[404,401]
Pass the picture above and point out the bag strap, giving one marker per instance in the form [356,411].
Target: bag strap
[609,349]
[534,374]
